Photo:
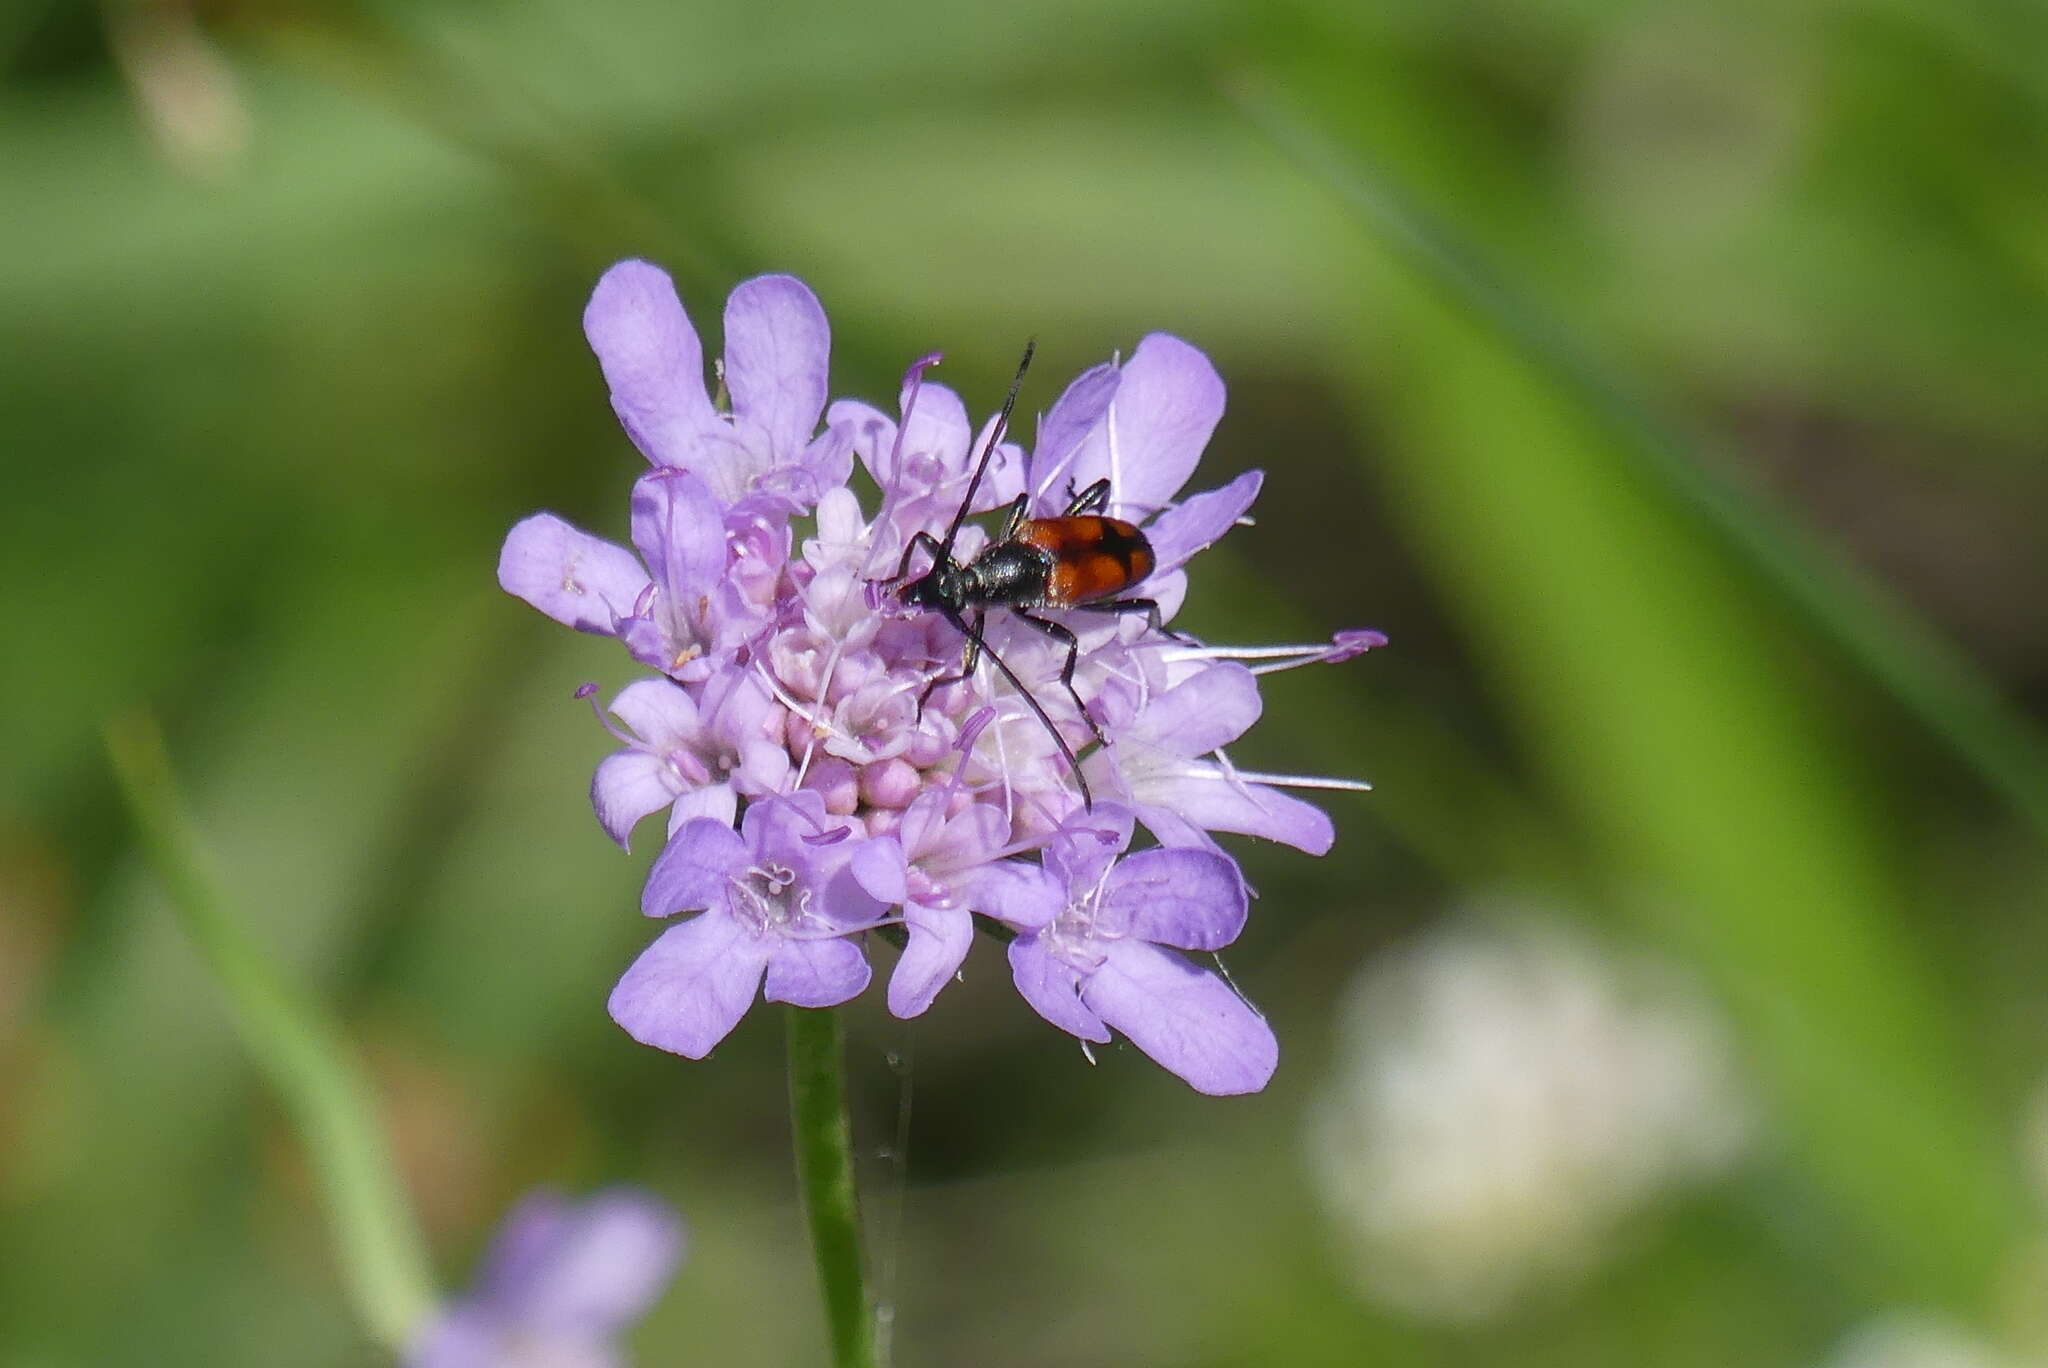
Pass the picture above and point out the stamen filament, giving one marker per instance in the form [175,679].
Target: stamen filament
[1306,781]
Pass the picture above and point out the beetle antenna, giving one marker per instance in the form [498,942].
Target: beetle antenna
[1073,763]
[995,435]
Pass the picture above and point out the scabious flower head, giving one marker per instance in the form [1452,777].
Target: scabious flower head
[560,1283]
[816,788]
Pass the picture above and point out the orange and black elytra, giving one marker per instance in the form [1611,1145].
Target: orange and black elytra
[1093,557]
[1082,559]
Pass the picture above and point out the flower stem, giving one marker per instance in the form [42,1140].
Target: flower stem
[296,1045]
[824,1171]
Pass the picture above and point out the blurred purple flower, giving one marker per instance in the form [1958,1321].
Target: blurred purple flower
[794,680]
[560,1283]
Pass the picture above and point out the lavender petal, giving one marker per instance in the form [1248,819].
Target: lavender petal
[628,785]
[1193,899]
[606,1267]
[653,362]
[777,342]
[1073,420]
[939,940]
[692,985]
[1052,987]
[693,868]
[1219,803]
[679,531]
[1185,1018]
[1200,520]
[579,580]
[817,973]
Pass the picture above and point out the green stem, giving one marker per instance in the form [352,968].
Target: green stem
[296,1045]
[824,1170]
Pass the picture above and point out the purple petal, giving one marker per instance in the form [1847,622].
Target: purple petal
[942,845]
[1014,892]
[1206,798]
[1186,1018]
[817,973]
[1168,589]
[763,766]
[516,1260]
[1174,830]
[713,802]
[1168,399]
[1004,479]
[693,868]
[1083,850]
[652,361]
[1198,521]
[827,463]
[1073,418]
[679,530]
[628,785]
[1194,899]
[776,345]
[579,580]
[870,432]
[691,987]
[1167,403]
[777,827]
[462,1336]
[938,945]
[605,1267]
[936,426]
[658,712]
[1051,987]
[878,866]
[1199,714]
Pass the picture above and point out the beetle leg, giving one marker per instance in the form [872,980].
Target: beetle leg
[976,643]
[929,543]
[1093,499]
[969,660]
[1066,638]
[1146,606]
[1015,518]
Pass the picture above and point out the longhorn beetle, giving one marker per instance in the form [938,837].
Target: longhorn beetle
[1081,559]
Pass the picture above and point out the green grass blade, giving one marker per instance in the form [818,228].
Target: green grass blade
[292,1041]
[1934,681]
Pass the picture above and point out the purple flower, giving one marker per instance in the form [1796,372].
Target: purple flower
[924,463]
[693,754]
[778,902]
[777,343]
[799,700]
[683,612]
[561,1281]
[1155,762]
[1092,953]
[930,867]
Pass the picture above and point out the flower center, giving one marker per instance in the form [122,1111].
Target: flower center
[769,897]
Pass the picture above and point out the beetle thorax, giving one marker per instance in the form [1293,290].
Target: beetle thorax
[1008,572]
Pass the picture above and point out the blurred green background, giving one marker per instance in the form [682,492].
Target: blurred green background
[1664,379]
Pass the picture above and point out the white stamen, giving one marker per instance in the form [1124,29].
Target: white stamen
[1231,774]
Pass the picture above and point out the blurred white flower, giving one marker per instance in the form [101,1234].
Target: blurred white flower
[1503,1099]
[1911,1339]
